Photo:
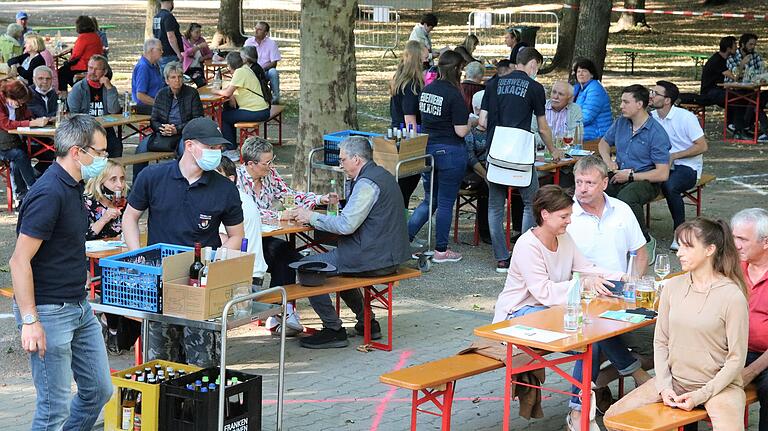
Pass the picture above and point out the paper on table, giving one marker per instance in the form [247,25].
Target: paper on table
[36,129]
[268,228]
[529,333]
[580,153]
[101,245]
[623,316]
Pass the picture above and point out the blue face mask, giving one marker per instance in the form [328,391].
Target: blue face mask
[94,169]
[209,160]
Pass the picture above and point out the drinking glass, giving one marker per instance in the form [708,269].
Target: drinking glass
[587,294]
[567,140]
[289,203]
[118,200]
[661,268]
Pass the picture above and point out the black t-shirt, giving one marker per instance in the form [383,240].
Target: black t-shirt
[515,51]
[162,23]
[511,100]
[96,104]
[442,107]
[712,72]
[405,102]
[54,211]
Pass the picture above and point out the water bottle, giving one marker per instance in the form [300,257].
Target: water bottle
[572,319]
[58,47]
[629,286]
[217,80]
[126,105]
[59,110]
[579,139]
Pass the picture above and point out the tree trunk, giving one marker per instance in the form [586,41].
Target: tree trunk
[592,31]
[630,20]
[328,93]
[153,7]
[566,38]
[229,28]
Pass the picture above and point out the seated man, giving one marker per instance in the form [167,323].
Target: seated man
[750,234]
[146,79]
[563,116]
[688,144]
[9,43]
[715,71]
[373,239]
[96,96]
[45,98]
[642,157]
[269,55]
[744,64]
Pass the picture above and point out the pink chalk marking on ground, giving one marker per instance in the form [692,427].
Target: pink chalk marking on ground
[390,393]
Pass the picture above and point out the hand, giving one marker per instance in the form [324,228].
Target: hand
[33,338]
[685,401]
[38,122]
[557,154]
[202,45]
[612,166]
[105,81]
[621,176]
[668,397]
[180,56]
[329,198]
[598,284]
[111,214]
[302,215]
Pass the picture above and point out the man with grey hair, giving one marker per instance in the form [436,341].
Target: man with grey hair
[146,79]
[750,234]
[58,328]
[373,238]
[563,116]
[45,99]
[9,43]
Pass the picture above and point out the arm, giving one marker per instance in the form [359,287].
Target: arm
[363,197]
[235,236]
[461,131]
[159,117]
[131,227]
[605,153]
[270,65]
[483,120]
[227,91]
[641,261]
[8,124]
[546,134]
[32,336]
[175,45]
[111,99]
[145,98]
[752,370]
[661,345]
[76,99]
[699,147]
[197,109]
[656,175]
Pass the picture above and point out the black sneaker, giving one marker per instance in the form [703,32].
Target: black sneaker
[502,266]
[112,346]
[603,400]
[327,338]
[375,329]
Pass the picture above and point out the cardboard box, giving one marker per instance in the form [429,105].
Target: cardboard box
[224,276]
[386,154]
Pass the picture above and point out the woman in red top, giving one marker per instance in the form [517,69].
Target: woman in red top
[87,44]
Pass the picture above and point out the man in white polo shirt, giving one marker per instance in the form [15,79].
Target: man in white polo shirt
[688,145]
[269,55]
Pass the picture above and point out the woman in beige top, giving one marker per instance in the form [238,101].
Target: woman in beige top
[700,343]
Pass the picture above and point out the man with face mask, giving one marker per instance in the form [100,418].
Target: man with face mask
[58,328]
[187,201]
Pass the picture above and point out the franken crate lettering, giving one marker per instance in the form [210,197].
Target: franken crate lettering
[241,425]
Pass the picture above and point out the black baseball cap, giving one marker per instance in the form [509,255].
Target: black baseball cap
[205,131]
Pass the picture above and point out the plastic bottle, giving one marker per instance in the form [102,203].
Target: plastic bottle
[333,202]
[629,286]
[58,47]
[126,105]
[579,140]
[571,319]
[217,80]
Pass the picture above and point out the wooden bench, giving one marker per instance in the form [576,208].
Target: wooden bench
[133,159]
[6,291]
[436,380]
[658,417]
[631,53]
[693,195]
[466,198]
[247,129]
[383,297]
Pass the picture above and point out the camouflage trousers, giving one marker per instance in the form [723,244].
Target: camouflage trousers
[184,345]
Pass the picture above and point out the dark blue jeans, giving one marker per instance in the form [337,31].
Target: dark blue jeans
[761,381]
[681,179]
[616,352]
[143,147]
[231,116]
[450,164]
[21,168]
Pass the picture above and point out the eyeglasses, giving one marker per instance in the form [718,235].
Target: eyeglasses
[270,162]
[102,153]
[655,93]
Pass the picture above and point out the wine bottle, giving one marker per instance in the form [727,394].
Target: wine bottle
[204,271]
[194,269]
[137,414]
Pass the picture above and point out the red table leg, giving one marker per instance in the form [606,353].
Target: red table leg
[384,298]
[433,395]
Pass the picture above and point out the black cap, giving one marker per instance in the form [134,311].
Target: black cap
[205,131]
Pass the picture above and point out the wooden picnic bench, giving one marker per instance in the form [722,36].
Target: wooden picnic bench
[133,159]
[631,53]
[342,283]
[6,291]
[658,417]
[41,30]
[252,128]
[693,196]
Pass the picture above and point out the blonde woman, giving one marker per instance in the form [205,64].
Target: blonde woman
[24,64]
[467,47]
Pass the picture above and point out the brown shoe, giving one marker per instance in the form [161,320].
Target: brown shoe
[603,399]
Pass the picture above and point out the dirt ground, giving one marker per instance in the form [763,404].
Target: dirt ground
[740,169]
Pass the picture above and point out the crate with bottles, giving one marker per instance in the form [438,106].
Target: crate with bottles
[191,403]
[134,405]
[331,143]
[399,145]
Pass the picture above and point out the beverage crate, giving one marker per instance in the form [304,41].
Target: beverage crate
[331,144]
[183,409]
[150,396]
[134,279]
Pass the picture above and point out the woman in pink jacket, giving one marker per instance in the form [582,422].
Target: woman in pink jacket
[196,51]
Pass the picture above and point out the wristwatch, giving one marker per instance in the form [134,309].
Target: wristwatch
[29,319]
[631,176]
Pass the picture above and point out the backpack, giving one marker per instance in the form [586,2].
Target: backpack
[266,92]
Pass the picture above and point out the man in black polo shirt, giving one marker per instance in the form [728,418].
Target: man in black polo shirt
[187,201]
[166,28]
[58,328]
[715,71]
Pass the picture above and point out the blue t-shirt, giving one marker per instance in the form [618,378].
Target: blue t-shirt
[54,211]
[640,151]
[442,107]
[182,213]
[146,79]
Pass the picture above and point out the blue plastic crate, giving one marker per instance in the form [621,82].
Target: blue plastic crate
[133,279]
[331,144]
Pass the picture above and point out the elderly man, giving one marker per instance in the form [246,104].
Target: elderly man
[688,144]
[642,157]
[269,55]
[563,116]
[373,239]
[58,328]
[750,234]
[96,96]
[9,43]
[147,79]
[44,98]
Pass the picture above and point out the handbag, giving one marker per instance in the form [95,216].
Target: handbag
[511,157]
[160,143]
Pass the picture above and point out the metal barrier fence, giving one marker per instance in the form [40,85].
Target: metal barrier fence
[490,25]
[284,18]
[377,27]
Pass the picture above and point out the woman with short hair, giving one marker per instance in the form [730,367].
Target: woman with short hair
[590,95]
[196,51]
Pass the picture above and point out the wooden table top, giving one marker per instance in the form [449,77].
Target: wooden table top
[105,253]
[206,95]
[743,85]
[287,228]
[112,120]
[552,320]
[549,166]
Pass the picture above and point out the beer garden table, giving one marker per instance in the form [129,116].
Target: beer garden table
[213,104]
[746,95]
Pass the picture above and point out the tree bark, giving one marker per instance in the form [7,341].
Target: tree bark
[630,20]
[569,18]
[328,92]
[153,7]
[592,31]
[229,28]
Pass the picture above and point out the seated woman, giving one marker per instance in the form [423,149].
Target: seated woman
[196,51]
[467,48]
[14,96]
[175,106]
[87,44]
[105,213]
[700,343]
[248,103]
[26,63]
[592,98]
[473,82]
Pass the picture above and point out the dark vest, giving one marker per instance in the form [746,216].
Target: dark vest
[382,240]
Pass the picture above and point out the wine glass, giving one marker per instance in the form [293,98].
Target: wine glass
[118,200]
[567,140]
[661,268]
[587,295]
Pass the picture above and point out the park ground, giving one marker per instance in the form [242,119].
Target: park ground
[430,312]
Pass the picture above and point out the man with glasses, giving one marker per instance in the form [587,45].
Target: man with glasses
[187,201]
[687,146]
[58,328]
[146,79]
[96,96]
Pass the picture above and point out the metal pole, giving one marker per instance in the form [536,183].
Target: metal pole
[309,166]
